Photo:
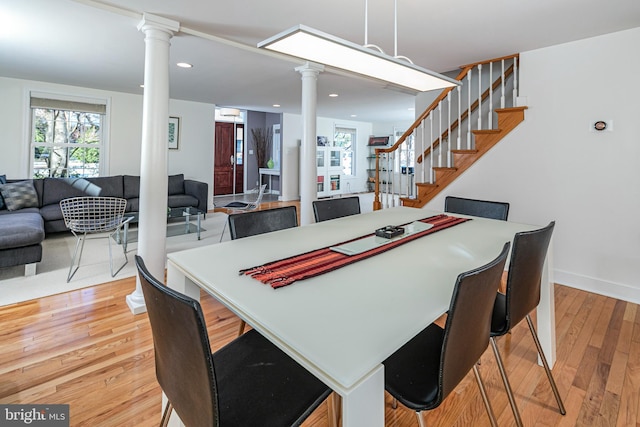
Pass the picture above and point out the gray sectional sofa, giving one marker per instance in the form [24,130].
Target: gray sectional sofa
[23,228]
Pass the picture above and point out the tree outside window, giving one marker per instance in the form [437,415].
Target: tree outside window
[66,143]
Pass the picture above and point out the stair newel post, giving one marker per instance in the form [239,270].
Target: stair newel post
[377,198]
[469,75]
[431,150]
[515,81]
[502,89]
[389,185]
[479,96]
[440,134]
[413,140]
[449,130]
[490,118]
[424,163]
[459,140]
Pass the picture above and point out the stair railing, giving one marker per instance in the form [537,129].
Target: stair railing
[451,117]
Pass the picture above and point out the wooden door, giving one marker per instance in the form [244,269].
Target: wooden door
[228,158]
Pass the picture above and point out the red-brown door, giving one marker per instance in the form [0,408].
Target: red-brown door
[228,158]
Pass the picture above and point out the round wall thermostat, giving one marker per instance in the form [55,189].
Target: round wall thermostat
[600,125]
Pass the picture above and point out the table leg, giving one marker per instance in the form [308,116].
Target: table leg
[546,314]
[186,223]
[198,228]
[364,405]
[125,236]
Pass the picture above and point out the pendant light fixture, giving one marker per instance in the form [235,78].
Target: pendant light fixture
[316,46]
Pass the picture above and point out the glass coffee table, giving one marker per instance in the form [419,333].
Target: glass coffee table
[188,213]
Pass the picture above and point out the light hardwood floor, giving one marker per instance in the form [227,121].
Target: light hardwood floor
[85,349]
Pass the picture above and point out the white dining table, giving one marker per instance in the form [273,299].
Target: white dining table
[342,324]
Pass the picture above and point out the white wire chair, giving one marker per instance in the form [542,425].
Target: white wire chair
[239,207]
[91,215]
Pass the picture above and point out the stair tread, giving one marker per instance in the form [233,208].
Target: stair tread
[521,108]
[485,131]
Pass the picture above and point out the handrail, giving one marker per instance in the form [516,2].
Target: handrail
[464,72]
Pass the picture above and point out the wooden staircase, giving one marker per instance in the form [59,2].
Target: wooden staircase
[508,119]
[474,123]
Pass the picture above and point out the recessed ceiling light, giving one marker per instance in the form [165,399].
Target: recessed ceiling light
[333,95]
[276,105]
[354,115]
[142,86]
[184,65]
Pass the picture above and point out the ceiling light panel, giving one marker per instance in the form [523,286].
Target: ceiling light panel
[313,45]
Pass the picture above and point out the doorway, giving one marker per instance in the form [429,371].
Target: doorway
[228,165]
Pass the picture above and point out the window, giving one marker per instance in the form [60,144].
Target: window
[345,138]
[66,138]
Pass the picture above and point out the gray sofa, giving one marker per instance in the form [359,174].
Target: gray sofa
[23,230]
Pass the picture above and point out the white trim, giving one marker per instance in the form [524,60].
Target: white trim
[354,145]
[26,165]
[65,97]
[602,287]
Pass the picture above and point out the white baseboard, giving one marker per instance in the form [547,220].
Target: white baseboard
[591,284]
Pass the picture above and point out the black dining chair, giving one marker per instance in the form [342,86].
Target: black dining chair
[260,222]
[248,382]
[521,298]
[324,210]
[474,207]
[424,371]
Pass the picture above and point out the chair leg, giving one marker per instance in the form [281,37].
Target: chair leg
[124,251]
[241,328]
[485,398]
[421,422]
[166,415]
[505,380]
[546,366]
[394,403]
[79,245]
[223,230]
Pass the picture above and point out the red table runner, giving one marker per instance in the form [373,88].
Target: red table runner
[319,261]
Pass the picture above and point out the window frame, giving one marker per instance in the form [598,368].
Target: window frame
[353,130]
[62,100]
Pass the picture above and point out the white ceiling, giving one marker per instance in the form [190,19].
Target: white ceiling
[96,44]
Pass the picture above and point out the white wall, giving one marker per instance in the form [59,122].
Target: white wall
[194,157]
[552,167]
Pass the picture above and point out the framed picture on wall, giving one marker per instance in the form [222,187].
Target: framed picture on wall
[174,132]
